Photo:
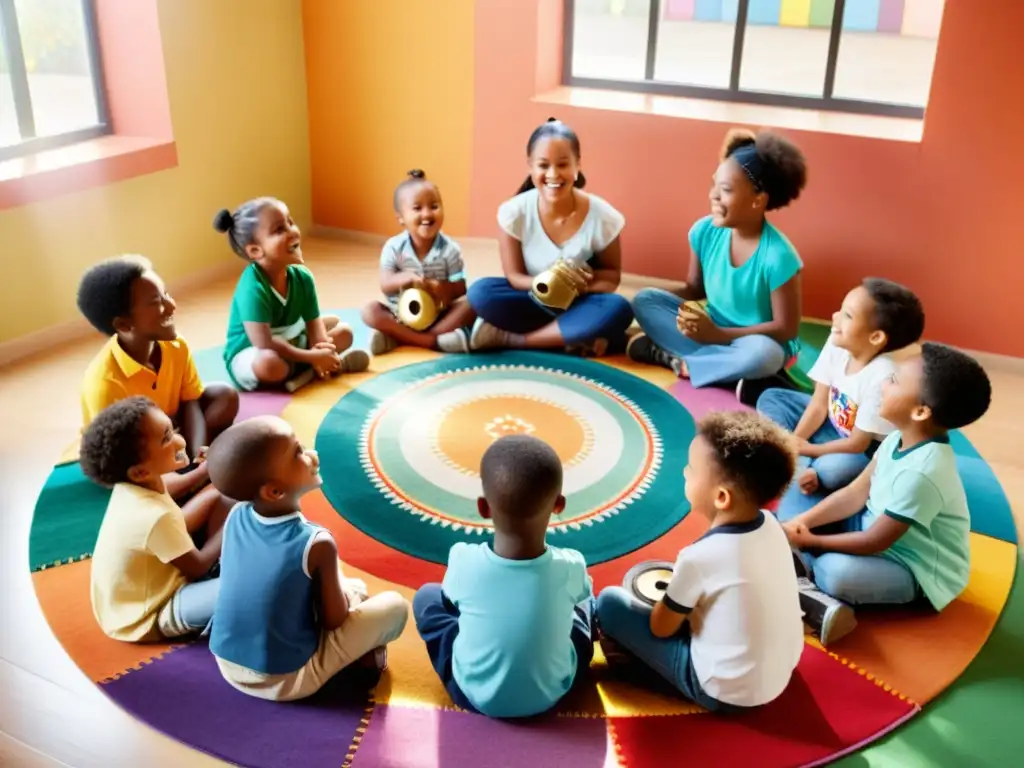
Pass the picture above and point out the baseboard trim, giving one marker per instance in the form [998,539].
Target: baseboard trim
[23,347]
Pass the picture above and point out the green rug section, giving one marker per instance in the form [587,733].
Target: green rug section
[812,338]
[67,518]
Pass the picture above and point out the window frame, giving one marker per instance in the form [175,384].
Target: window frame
[826,102]
[22,95]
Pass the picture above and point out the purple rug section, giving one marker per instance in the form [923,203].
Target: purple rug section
[414,737]
[184,696]
[261,404]
[700,402]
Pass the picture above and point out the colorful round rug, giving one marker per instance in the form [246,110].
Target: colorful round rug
[400,447]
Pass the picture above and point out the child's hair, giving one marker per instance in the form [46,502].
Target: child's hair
[553,128]
[956,387]
[238,458]
[240,226]
[413,177]
[898,312]
[521,475]
[773,164]
[754,454]
[112,443]
[105,290]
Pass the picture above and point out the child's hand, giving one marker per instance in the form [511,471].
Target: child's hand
[808,481]
[200,456]
[327,344]
[798,534]
[325,361]
[699,327]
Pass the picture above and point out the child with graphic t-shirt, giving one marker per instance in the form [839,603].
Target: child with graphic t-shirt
[276,334]
[838,427]
[509,629]
[728,632]
[901,530]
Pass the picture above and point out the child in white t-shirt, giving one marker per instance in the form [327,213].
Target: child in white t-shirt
[839,426]
[728,632]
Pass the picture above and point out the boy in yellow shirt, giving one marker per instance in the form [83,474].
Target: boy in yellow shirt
[148,580]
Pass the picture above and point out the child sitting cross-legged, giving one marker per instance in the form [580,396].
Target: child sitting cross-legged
[287,619]
[509,629]
[901,530]
[150,581]
[728,632]
[838,428]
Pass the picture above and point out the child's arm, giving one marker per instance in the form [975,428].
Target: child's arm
[196,563]
[260,337]
[837,506]
[170,542]
[681,595]
[857,442]
[454,287]
[323,566]
[178,485]
[392,281]
[666,620]
[882,534]
[193,427]
[814,416]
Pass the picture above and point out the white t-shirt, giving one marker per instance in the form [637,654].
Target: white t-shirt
[854,399]
[520,217]
[739,586]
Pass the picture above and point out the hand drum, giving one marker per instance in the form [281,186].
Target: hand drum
[417,309]
[554,288]
[648,581]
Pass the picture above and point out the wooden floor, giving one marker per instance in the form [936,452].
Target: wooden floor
[50,714]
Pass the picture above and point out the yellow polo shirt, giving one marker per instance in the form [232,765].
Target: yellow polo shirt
[132,576]
[113,375]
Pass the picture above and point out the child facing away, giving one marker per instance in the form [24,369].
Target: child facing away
[275,330]
[150,580]
[838,428]
[421,257]
[728,631]
[901,530]
[287,619]
[509,629]
[126,300]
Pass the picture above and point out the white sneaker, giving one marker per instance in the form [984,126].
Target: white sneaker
[487,336]
[829,618]
[381,343]
[455,342]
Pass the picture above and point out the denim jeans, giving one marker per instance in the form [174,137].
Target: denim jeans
[835,470]
[748,357]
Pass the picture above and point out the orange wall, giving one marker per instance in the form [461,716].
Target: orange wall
[940,216]
[390,88]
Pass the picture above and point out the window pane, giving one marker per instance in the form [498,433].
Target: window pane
[887,50]
[783,52]
[695,40]
[54,39]
[9,133]
[609,39]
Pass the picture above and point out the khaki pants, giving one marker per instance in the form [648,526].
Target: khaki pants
[371,623]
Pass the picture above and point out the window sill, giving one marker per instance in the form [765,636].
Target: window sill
[81,166]
[819,121]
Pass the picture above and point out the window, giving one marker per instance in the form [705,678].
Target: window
[51,89]
[863,56]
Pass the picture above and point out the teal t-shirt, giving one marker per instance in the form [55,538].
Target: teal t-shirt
[256,301]
[514,656]
[739,297]
[922,487]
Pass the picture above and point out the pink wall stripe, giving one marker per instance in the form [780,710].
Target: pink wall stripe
[890,16]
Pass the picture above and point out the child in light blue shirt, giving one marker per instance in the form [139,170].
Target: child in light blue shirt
[509,629]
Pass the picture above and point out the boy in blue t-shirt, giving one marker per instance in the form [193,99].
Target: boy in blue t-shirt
[509,630]
[901,530]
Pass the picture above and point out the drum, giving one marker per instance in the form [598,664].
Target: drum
[648,581]
[417,309]
[554,288]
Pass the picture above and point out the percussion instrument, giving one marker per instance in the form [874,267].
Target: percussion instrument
[648,581]
[555,287]
[417,309]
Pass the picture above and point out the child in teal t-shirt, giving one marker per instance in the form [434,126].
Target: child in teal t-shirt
[744,267]
[275,329]
[901,530]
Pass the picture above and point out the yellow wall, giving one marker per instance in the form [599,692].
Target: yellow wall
[235,79]
[390,89]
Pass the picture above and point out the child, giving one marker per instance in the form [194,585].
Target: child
[728,632]
[125,299]
[149,581]
[287,620]
[744,266]
[838,428]
[275,324]
[901,530]
[509,630]
[421,257]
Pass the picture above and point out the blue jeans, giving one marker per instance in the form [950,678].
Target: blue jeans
[835,470]
[854,579]
[437,621]
[627,621]
[191,608]
[591,316]
[748,357]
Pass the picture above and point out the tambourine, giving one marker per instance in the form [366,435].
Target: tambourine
[555,287]
[648,581]
[417,309]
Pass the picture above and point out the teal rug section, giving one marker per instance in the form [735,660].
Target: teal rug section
[360,496]
[812,338]
[67,518]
